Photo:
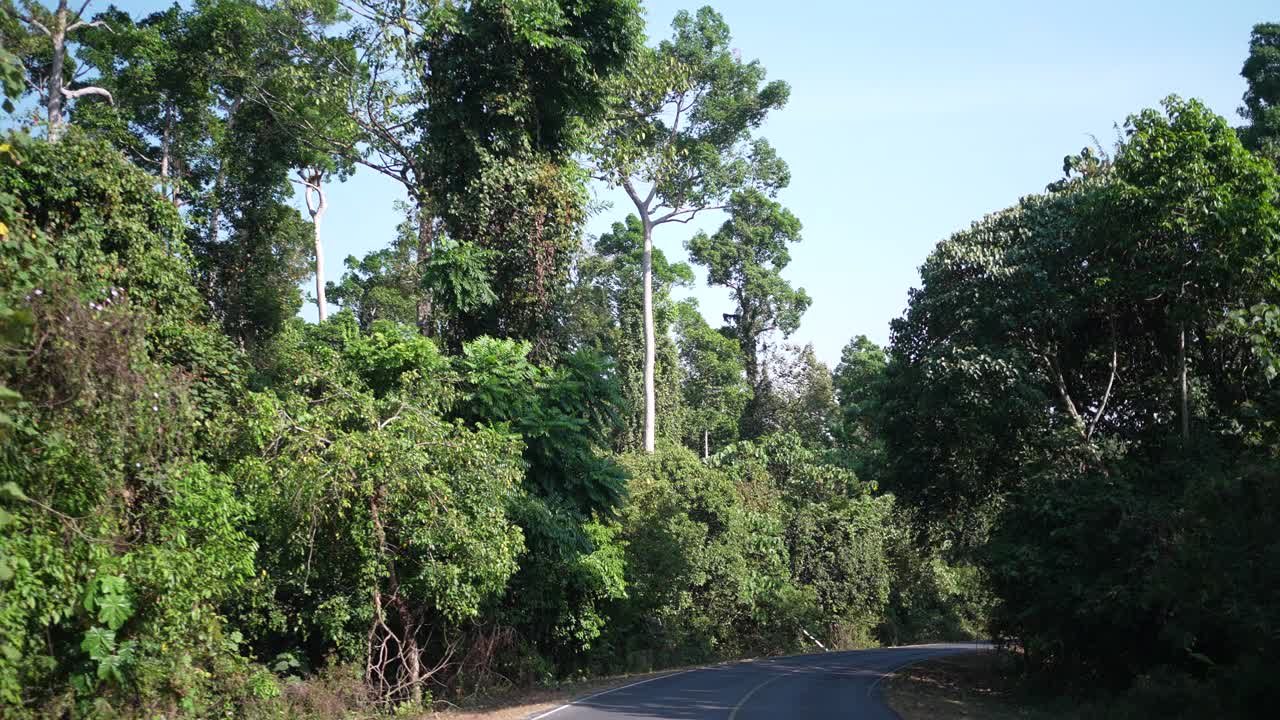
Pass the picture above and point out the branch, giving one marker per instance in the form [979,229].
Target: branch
[674,215]
[1115,361]
[1070,404]
[30,20]
[95,23]
[91,90]
[641,205]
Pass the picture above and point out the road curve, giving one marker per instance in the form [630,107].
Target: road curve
[842,685]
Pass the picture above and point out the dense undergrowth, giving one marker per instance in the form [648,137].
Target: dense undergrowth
[209,507]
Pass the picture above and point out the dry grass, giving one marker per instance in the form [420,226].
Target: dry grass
[969,686]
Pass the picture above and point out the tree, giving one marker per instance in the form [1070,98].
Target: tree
[857,383]
[207,97]
[681,124]
[609,283]
[859,386]
[475,109]
[356,471]
[1261,108]
[715,388]
[807,398]
[1196,195]
[163,112]
[51,80]
[384,284]
[1072,403]
[120,536]
[306,92]
[747,255]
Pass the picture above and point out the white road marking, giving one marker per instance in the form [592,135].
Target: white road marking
[606,692]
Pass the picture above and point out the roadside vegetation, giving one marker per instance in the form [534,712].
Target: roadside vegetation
[511,457]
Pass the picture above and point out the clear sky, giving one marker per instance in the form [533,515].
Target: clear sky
[909,120]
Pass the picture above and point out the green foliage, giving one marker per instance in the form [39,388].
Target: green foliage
[859,387]
[1034,415]
[386,284]
[682,119]
[564,414]
[747,255]
[378,516]
[511,90]
[802,398]
[708,564]
[1262,98]
[715,389]
[113,230]
[119,538]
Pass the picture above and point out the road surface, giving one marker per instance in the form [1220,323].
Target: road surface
[843,685]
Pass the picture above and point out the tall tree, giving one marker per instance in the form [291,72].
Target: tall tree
[609,283]
[747,255]
[164,111]
[476,109]
[1261,108]
[679,141]
[52,75]
[205,99]
[1194,199]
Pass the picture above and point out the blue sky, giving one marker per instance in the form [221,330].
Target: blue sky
[909,120]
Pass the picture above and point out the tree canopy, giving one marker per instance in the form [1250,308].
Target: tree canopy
[516,454]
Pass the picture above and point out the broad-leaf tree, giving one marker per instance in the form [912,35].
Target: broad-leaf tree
[679,141]
[1262,98]
[747,255]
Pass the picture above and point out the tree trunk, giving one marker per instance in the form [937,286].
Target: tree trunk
[315,184]
[54,103]
[650,349]
[409,655]
[412,653]
[426,243]
[321,302]
[1182,381]
[165,140]
[221,180]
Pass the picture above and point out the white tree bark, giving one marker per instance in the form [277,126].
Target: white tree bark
[53,86]
[314,185]
[1182,381]
[650,345]
[55,91]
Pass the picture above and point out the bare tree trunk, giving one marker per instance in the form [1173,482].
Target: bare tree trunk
[56,92]
[53,104]
[321,301]
[409,654]
[412,653]
[706,444]
[165,140]
[310,185]
[650,344]
[1182,381]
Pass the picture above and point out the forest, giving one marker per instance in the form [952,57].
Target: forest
[508,454]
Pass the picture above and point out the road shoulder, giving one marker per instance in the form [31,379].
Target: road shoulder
[970,685]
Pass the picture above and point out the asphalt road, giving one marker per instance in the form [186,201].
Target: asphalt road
[843,685]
